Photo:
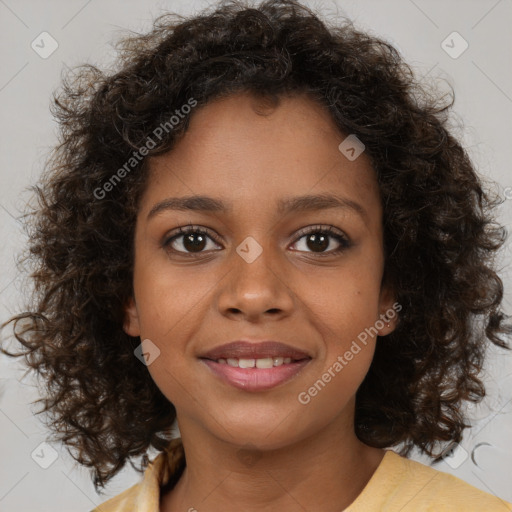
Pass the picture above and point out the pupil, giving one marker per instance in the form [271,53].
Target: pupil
[198,243]
[315,238]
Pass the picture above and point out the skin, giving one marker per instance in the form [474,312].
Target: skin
[243,151]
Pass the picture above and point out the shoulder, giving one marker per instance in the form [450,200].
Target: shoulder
[123,502]
[444,492]
[144,496]
[401,484]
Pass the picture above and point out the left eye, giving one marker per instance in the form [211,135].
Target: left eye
[318,240]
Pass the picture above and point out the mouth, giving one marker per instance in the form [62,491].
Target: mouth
[255,366]
[260,363]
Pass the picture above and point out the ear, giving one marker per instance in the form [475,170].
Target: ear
[131,324]
[388,310]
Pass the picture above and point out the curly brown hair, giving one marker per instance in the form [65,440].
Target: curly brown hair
[440,239]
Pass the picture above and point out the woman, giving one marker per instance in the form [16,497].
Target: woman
[259,230]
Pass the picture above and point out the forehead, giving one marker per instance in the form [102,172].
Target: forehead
[253,154]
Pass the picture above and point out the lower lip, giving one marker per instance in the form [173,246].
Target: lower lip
[255,379]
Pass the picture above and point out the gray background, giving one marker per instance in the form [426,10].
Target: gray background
[481,76]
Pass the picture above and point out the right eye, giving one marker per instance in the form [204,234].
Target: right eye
[189,241]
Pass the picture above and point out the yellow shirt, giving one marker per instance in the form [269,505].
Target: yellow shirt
[398,485]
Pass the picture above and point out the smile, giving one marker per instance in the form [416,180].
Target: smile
[266,362]
[256,374]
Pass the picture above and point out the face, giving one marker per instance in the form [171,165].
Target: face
[263,266]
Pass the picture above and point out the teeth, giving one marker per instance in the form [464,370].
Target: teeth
[267,362]
[264,363]
[246,363]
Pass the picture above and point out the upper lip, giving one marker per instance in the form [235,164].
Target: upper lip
[254,350]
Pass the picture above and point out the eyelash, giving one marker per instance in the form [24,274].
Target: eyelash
[325,230]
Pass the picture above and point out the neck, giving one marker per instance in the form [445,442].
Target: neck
[222,477]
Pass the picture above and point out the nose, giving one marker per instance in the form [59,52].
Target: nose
[258,289]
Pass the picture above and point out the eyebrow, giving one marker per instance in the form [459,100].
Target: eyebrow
[199,203]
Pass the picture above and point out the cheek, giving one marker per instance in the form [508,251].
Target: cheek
[333,388]
[344,309]
[342,304]
[169,299]
[171,303]
[170,376]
